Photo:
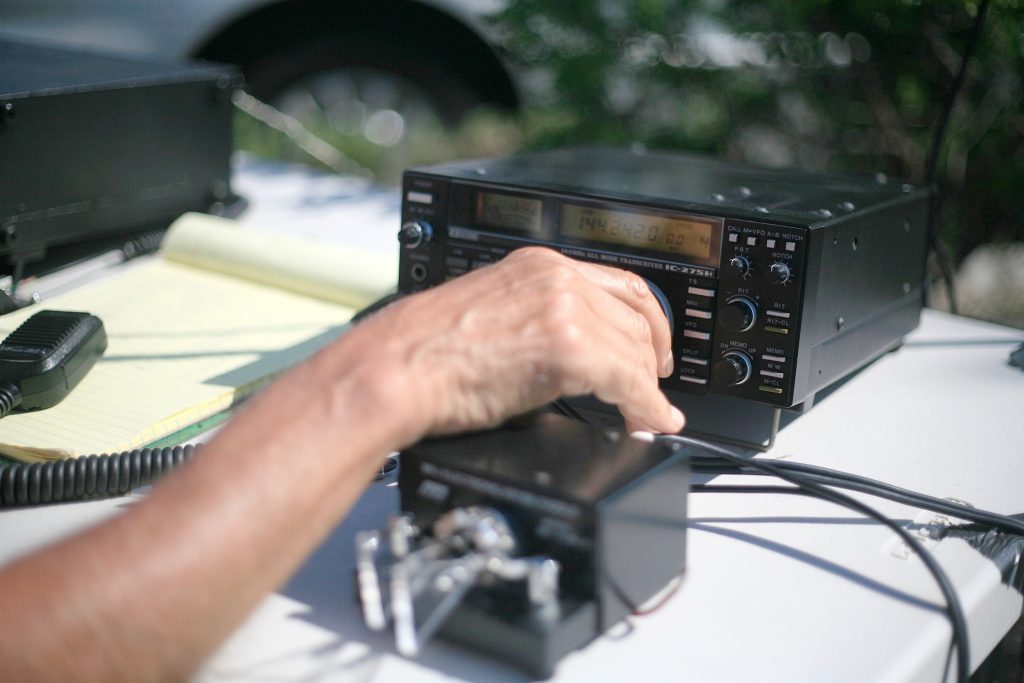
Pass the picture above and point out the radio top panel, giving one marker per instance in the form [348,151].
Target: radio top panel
[779,282]
[687,182]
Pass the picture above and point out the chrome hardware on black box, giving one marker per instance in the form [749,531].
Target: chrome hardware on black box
[780,282]
[95,146]
[523,542]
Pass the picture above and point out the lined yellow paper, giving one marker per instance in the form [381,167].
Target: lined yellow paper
[186,343]
[345,275]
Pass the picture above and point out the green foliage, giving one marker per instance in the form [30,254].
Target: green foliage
[837,86]
[831,86]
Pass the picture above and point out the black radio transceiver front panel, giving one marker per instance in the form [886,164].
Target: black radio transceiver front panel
[779,282]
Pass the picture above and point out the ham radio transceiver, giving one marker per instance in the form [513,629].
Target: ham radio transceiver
[779,282]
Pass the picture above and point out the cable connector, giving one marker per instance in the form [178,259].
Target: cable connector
[10,397]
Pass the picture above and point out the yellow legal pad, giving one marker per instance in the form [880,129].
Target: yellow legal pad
[191,332]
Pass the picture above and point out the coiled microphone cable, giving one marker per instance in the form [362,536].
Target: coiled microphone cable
[88,477]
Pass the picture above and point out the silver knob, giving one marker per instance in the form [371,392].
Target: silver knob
[414,234]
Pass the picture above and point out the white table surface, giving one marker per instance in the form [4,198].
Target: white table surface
[778,588]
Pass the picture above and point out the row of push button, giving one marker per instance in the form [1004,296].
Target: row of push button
[777,321]
[458,265]
[697,326]
[768,385]
[751,241]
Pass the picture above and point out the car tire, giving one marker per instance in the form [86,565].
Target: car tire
[437,83]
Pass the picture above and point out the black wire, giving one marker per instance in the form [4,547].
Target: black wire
[854,482]
[740,488]
[564,408]
[846,480]
[377,305]
[953,608]
[932,164]
[894,493]
[92,477]
[141,244]
[10,397]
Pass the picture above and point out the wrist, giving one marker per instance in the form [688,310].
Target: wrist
[392,397]
[372,384]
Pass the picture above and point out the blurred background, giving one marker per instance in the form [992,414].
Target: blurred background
[371,87]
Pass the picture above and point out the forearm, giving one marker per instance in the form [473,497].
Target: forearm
[148,595]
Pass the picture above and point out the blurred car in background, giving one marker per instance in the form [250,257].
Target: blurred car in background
[374,69]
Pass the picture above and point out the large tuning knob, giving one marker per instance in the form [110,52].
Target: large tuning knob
[666,308]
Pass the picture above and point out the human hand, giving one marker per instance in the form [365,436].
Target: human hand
[512,336]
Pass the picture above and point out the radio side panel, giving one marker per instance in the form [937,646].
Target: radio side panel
[864,290]
[424,202]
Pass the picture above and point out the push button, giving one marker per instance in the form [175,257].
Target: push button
[456,262]
[695,351]
[694,370]
[698,325]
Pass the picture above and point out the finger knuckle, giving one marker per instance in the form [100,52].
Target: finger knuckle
[636,288]
[560,304]
[548,270]
[561,278]
[567,338]
[532,254]
[568,369]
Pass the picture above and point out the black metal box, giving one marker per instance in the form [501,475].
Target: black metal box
[610,509]
[780,282]
[94,145]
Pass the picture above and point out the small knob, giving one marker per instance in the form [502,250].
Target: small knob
[739,314]
[738,266]
[732,369]
[779,273]
[414,234]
